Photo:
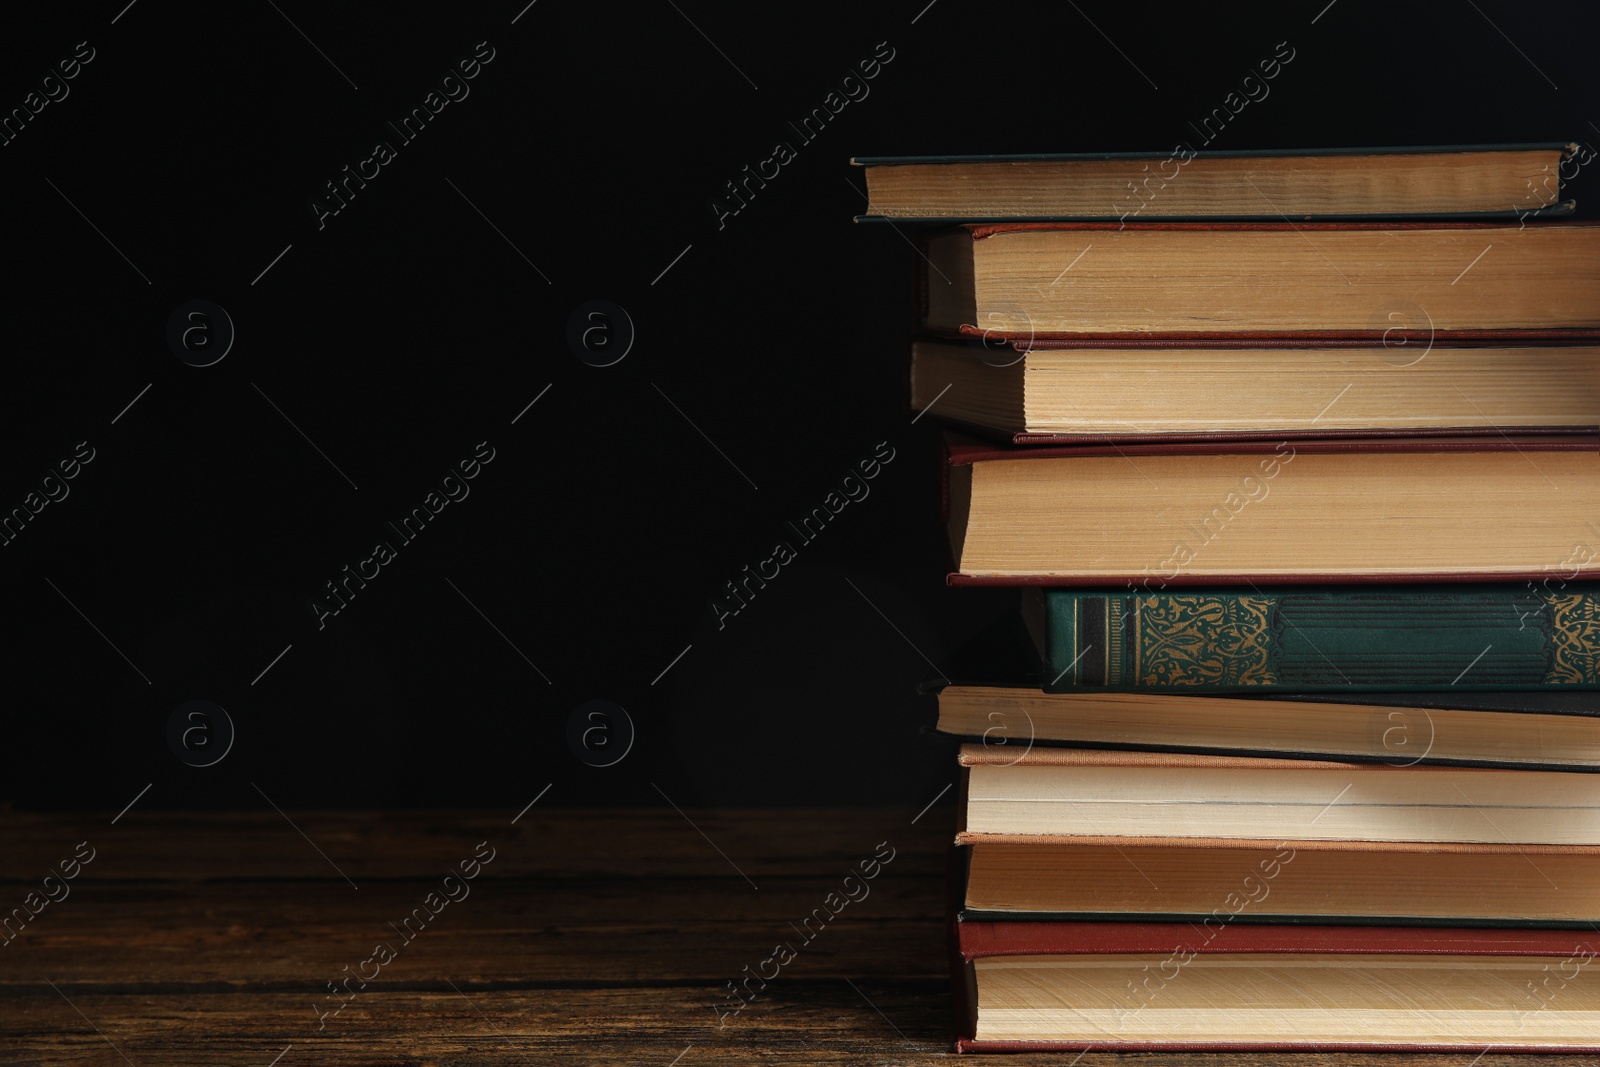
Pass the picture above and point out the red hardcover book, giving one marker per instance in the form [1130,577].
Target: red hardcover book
[1221,985]
[1504,508]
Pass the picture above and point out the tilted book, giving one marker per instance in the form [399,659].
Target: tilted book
[1554,729]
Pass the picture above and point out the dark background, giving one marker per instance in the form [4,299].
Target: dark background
[408,329]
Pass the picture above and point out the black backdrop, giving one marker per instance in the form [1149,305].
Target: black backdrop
[384,342]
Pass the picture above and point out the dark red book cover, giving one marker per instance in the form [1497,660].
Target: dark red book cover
[1488,434]
[981,939]
[982,230]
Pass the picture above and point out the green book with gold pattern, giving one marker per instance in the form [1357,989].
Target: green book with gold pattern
[1312,639]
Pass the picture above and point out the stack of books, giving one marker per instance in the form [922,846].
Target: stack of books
[1295,458]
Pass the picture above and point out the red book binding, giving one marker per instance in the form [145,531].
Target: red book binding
[982,939]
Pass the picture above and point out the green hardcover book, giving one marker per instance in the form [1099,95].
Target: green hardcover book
[1319,639]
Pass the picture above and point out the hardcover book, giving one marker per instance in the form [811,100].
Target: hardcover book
[1320,639]
[1205,884]
[1324,280]
[1151,516]
[1050,795]
[1183,183]
[1552,730]
[1061,392]
[1143,986]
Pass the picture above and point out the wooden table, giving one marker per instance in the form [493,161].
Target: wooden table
[589,937]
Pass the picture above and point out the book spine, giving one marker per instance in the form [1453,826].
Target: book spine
[1420,638]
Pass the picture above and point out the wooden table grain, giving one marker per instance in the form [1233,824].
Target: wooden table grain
[590,937]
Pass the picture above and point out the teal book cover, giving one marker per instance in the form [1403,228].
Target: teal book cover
[1320,639]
